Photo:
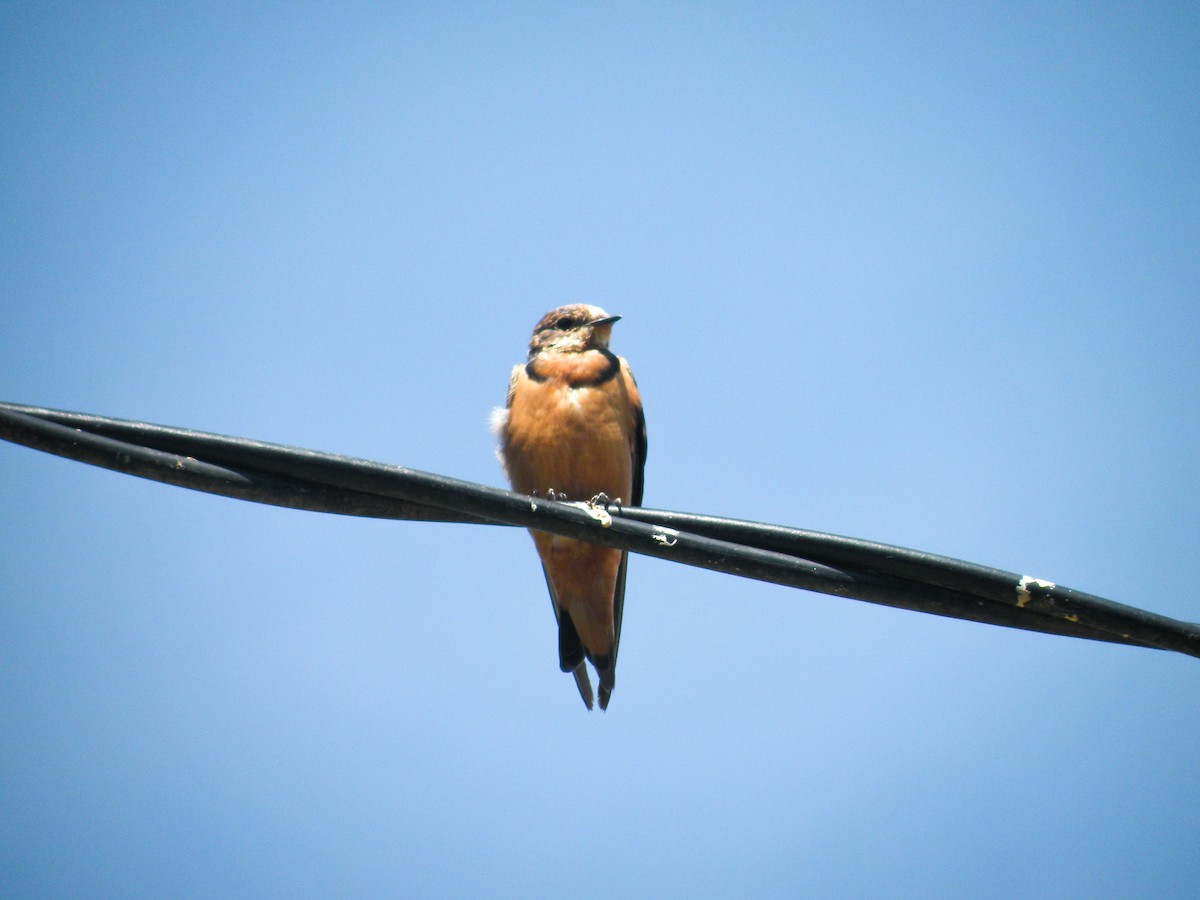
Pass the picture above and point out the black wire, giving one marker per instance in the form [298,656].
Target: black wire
[846,567]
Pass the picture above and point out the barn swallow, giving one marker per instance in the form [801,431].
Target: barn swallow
[572,428]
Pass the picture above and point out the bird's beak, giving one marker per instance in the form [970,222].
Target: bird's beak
[605,320]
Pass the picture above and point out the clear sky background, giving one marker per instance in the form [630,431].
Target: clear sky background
[920,273]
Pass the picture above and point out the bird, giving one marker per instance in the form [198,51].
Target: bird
[572,428]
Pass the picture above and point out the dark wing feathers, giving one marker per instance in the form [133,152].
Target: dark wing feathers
[639,473]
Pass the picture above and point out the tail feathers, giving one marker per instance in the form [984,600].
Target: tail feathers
[571,655]
[572,658]
[606,670]
[585,686]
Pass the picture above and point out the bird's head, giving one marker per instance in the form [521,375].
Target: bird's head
[572,329]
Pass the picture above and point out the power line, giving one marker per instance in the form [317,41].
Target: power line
[846,567]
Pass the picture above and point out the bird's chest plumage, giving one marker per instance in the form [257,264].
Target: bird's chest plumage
[568,434]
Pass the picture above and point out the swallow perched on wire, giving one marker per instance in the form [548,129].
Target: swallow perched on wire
[572,428]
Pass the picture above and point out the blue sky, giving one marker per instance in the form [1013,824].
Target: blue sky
[924,274]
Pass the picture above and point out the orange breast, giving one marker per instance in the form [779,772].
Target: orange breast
[575,441]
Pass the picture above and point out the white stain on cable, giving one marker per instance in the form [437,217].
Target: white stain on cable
[597,512]
[668,537]
[1025,583]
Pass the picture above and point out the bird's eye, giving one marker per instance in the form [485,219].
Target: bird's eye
[564,323]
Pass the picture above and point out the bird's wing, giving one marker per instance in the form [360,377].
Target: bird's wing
[638,456]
